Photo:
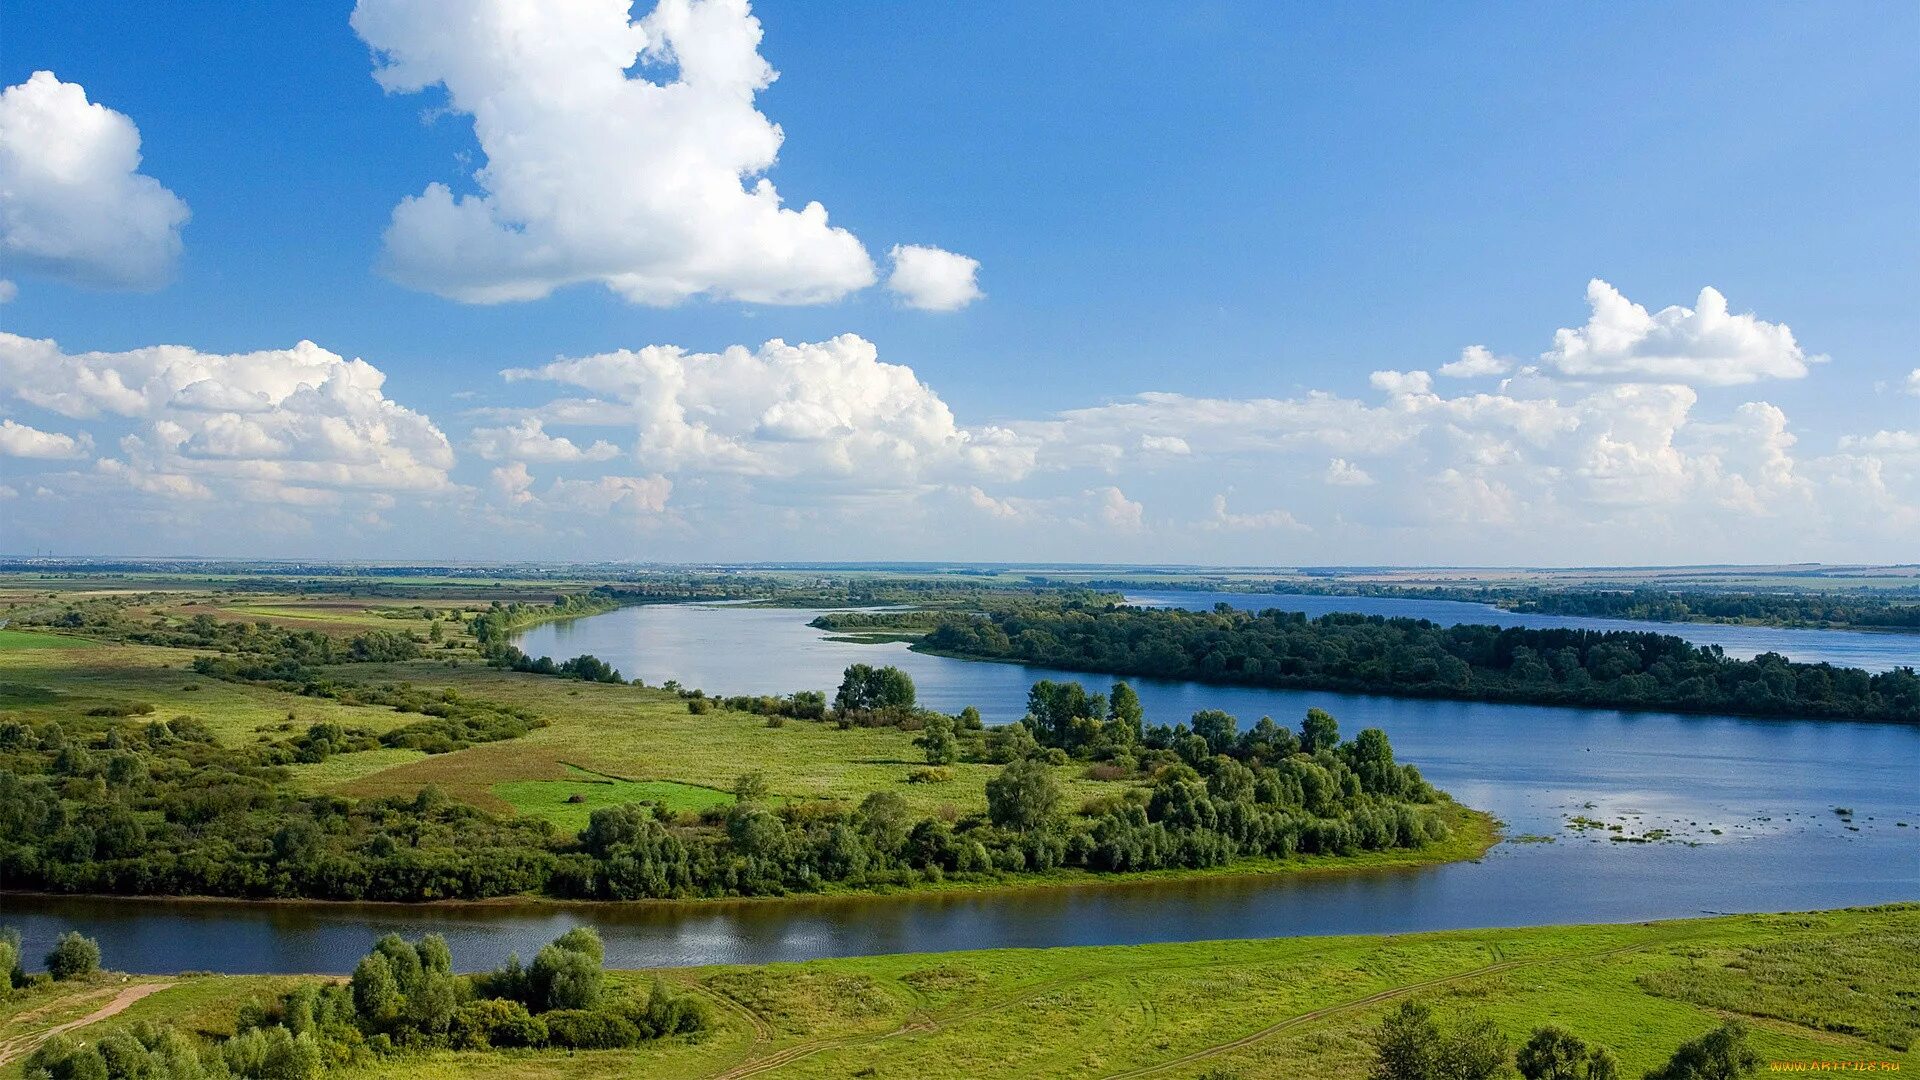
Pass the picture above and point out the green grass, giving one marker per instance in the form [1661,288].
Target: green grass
[1836,987]
[30,639]
[550,799]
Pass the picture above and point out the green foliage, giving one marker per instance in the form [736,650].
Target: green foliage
[937,739]
[1720,1054]
[496,1022]
[867,689]
[1552,1053]
[1413,657]
[73,956]
[566,974]
[1411,1045]
[1024,795]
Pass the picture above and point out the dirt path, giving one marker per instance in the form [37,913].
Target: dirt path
[22,1045]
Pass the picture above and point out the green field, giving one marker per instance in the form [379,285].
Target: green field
[568,803]
[11,640]
[1822,986]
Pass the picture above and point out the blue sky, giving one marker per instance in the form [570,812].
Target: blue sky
[1226,205]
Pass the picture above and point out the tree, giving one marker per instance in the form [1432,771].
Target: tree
[1023,796]
[1319,731]
[1217,727]
[1406,1045]
[938,741]
[73,956]
[1474,1049]
[376,993]
[1123,707]
[566,974]
[10,973]
[865,689]
[1720,1054]
[1551,1053]
[748,787]
[886,819]
[1411,1045]
[1602,1065]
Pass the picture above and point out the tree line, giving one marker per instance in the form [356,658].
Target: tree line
[1412,1043]
[404,999]
[1418,658]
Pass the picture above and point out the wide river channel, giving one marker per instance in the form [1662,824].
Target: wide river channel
[1748,808]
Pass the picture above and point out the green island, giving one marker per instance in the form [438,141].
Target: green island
[1680,1000]
[240,743]
[1399,656]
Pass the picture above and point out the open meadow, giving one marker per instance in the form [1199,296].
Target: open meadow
[1829,986]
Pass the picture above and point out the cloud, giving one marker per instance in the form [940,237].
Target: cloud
[1344,473]
[8,291]
[1402,383]
[262,422]
[1913,383]
[634,495]
[528,441]
[595,171]
[826,411]
[21,441]
[1117,511]
[73,204]
[1265,520]
[1699,346]
[1475,362]
[930,279]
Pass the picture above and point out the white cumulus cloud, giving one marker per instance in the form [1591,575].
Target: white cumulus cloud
[628,153]
[1704,345]
[827,411]
[528,440]
[73,203]
[21,441]
[278,422]
[1476,361]
[933,280]
[1344,473]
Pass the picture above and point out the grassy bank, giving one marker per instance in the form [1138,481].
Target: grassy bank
[1831,986]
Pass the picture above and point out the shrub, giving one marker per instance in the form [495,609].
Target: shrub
[930,774]
[1720,1054]
[73,956]
[490,1022]
[587,1029]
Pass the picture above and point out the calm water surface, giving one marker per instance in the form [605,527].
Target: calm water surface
[1768,786]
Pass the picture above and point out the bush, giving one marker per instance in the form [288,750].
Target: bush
[1720,1054]
[930,774]
[73,956]
[587,1029]
[490,1022]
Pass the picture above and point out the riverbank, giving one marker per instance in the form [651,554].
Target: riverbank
[1472,834]
[1821,986]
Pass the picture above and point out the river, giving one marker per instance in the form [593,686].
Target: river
[1749,805]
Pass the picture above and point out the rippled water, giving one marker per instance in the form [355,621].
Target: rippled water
[1768,786]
